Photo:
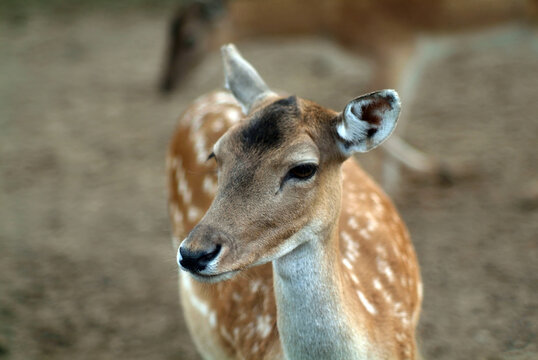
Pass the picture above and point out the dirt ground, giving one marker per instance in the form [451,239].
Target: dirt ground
[86,266]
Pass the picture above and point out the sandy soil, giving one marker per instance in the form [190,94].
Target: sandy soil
[86,266]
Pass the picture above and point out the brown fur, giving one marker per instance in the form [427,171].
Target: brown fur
[382,29]
[237,317]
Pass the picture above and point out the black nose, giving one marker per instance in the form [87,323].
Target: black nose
[196,261]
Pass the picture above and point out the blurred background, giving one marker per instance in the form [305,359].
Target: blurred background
[86,266]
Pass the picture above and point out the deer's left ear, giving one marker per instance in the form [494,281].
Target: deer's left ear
[367,121]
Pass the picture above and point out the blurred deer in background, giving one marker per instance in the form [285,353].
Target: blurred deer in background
[385,31]
[317,262]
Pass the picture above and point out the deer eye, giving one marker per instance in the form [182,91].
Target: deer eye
[302,172]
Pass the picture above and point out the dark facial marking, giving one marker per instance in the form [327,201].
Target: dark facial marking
[264,131]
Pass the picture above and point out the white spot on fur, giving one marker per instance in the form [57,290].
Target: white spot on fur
[352,255]
[263,325]
[183,186]
[378,207]
[384,268]
[347,264]
[353,247]
[377,284]
[380,249]
[372,222]
[352,222]
[236,297]
[233,115]
[200,147]
[364,233]
[401,313]
[255,285]
[387,296]
[354,278]
[213,319]
[368,305]
[209,186]
[194,213]
[347,238]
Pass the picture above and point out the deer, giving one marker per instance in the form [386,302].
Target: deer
[286,248]
[386,32]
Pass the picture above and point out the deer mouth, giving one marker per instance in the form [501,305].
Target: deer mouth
[213,278]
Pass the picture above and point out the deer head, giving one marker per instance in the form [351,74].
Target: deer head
[279,181]
[190,38]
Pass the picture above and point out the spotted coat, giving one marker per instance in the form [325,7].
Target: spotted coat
[236,319]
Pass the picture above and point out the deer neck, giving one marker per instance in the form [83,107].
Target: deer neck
[313,318]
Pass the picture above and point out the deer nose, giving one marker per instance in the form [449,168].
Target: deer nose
[197,261]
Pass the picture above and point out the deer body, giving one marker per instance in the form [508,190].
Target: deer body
[328,270]
[384,30]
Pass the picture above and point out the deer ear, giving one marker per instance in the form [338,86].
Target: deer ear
[242,79]
[367,121]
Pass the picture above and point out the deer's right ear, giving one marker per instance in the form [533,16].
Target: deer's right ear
[367,121]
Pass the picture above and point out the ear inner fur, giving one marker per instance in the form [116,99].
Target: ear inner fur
[367,121]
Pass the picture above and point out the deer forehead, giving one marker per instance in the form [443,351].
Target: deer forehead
[285,131]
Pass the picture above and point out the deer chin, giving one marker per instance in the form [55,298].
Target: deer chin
[213,278]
